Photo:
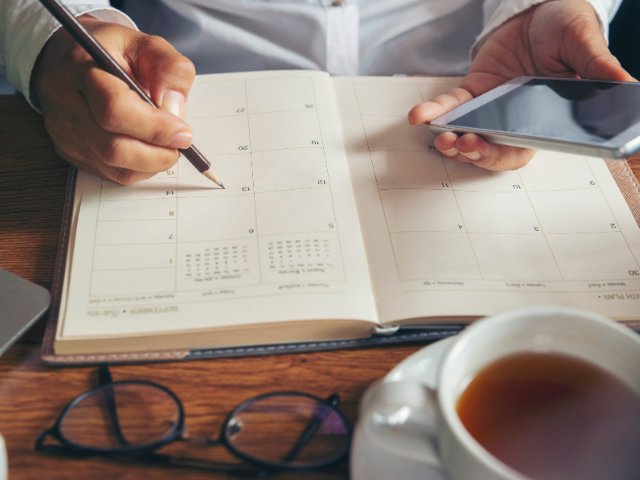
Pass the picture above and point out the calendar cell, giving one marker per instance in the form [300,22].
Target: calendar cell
[156,209]
[434,255]
[295,211]
[280,94]
[395,133]
[390,99]
[289,169]
[405,211]
[514,257]
[228,263]
[234,170]
[123,257]
[208,136]
[593,256]
[216,218]
[466,176]
[410,170]
[113,282]
[573,211]
[146,189]
[279,130]
[498,212]
[136,232]
[313,256]
[570,172]
[216,99]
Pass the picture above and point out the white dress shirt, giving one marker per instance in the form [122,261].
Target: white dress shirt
[343,37]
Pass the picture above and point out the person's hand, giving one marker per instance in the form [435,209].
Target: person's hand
[559,38]
[96,121]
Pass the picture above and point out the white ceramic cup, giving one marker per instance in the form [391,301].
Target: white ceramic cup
[4,466]
[396,415]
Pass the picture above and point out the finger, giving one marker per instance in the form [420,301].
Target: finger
[492,156]
[118,109]
[81,155]
[121,151]
[446,143]
[122,176]
[164,71]
[78,136]
[427,111]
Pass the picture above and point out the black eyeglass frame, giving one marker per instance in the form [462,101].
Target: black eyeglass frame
[175,432]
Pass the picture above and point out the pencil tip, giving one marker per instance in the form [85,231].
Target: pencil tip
[210,174]
[222,186]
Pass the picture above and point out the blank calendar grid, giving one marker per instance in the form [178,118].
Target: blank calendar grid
[264,140]
[448,220]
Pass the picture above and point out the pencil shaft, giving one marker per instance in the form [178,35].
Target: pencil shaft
[107,63]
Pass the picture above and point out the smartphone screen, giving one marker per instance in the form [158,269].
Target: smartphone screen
[580,111]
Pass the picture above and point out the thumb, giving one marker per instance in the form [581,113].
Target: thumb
[163,71]
[587,53]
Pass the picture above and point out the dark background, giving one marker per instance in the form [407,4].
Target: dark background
[624,36]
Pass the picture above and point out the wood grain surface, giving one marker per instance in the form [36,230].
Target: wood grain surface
[32,186]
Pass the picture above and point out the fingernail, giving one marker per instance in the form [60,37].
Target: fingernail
[181,140]
[173,102]
[452,152]
[473,156]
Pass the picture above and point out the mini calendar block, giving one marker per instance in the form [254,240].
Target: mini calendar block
[206,265]
[301,257]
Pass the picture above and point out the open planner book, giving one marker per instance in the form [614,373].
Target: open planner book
[337,217]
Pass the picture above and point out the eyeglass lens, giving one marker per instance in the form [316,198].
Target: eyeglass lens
[286,429]
[120,415]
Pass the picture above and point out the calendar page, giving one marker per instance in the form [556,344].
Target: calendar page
[451,240]
[281,243]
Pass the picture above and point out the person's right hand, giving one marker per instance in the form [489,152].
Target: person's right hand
[96,121]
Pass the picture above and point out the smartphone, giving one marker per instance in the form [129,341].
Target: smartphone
[590,117]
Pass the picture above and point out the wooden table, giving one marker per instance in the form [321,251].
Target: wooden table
[32,186]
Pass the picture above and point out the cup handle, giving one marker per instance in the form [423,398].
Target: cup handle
[396,434]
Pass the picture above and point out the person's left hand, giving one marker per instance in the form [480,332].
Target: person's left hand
[559,38]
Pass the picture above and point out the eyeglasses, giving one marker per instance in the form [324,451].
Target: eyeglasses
[130,420]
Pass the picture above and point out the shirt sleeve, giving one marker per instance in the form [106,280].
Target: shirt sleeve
[497,12]
[25,27]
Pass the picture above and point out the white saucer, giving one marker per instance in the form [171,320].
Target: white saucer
[422,366]
[380,453]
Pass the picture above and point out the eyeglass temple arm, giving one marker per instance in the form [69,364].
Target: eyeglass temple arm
[312,428]
[105,379]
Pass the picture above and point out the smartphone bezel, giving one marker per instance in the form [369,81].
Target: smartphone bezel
[624,144]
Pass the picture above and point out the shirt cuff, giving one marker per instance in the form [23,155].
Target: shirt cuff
[35,29]
[510,8]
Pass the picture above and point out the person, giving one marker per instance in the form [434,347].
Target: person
[99,124]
